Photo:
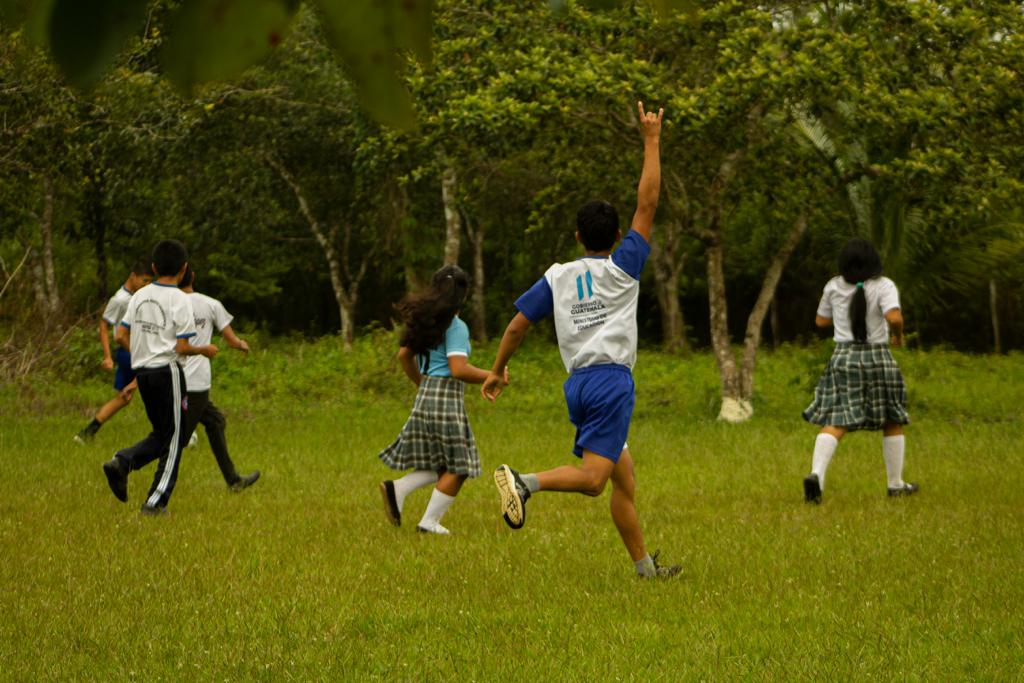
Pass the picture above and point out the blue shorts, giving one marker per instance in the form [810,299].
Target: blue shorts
[600,400]
[124,374]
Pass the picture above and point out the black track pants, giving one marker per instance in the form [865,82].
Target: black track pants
[163,393]
[201,411]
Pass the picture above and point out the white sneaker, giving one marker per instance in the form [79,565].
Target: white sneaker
[193,440]
[435,528]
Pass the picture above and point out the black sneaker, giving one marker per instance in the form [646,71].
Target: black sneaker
[666,572]
[907,489]
[153,510]
[391,511]
[812,489]
[514,495]
[83,438]
[244,482]
[117,478]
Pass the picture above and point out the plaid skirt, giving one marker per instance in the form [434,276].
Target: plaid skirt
[861,388]
[437,435]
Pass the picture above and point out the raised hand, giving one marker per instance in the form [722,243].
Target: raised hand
[650,123]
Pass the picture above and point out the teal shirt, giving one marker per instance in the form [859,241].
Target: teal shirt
[456,343]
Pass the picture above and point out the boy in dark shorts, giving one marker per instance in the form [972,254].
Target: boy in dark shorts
[139,277]
[156,328]
[593,300]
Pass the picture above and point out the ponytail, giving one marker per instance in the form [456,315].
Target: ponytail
[859,262]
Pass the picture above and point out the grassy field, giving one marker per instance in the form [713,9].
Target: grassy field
[300,578]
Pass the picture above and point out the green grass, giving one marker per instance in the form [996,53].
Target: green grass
[300,578]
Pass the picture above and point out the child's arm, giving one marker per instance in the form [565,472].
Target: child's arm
[184,348]
[123,337]
[510,341]
[408,360]
[108,360]
[470,374]
[234,341]
[895,319]
[650,178]
[822,321]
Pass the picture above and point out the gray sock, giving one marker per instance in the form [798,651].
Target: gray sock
[531,481]
[645,566]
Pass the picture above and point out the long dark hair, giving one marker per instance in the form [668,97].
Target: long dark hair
[858,263]
[428,314]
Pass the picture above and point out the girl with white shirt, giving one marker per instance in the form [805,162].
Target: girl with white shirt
[862,387]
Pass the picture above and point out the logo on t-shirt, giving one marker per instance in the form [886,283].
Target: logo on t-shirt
[590,311]
[147,315]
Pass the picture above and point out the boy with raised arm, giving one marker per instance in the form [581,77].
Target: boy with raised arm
[156,328]
[593,300]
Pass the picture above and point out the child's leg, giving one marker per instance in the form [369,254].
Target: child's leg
[214,422]
[893,447]
[169,424]
[589,478]
[448,486]
[111,408]
[623,507]
[416,479]
[824,448]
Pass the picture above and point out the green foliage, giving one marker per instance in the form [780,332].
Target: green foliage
[218,41]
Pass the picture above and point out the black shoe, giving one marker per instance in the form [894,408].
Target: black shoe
[117,478]
[812,489]
[661,572]
[514,495]
[907,489]
[244,482]
[391,511]
[83,438]
[153,510]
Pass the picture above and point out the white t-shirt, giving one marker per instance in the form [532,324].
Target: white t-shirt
[157,316]
[208,313]
[593,300]
[882,297]
[118,304]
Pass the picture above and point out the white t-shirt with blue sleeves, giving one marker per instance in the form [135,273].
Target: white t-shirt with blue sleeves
[593,300]
[455,343]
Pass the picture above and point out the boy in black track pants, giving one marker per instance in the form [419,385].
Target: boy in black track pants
[156,330]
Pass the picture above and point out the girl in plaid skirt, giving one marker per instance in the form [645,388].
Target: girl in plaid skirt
[862,387]
[436,442]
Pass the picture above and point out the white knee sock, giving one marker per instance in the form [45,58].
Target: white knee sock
[893,448]
[439,504]
[824,448]
[416,479]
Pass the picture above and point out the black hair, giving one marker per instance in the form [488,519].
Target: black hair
[428,314]
[188,279]
[858,263]
[598,225]
[141,267]
[168,257]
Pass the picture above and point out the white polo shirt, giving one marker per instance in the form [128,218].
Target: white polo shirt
[157,316]
[593,300]
[118,304]
[208,314]
[882,297]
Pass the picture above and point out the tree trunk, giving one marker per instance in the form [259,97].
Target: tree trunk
[347,308]
[52,302]
[993,302]
[478,311]
[734,408]
[346,303]
[773,321]
[668,266]
[755,322]
[452,218]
